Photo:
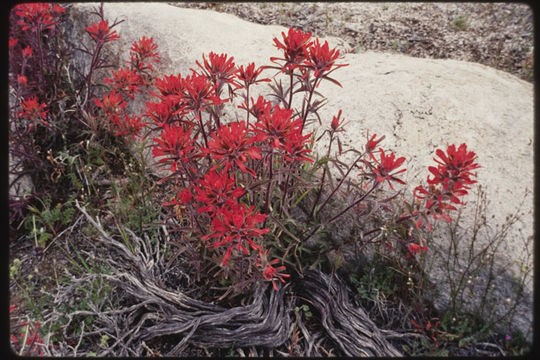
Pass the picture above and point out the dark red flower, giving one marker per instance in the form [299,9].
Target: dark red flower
[321,59]
[295,48]
[126,81]
[27,52]
[216,190]
[372,143]
[236,227]
[233,145]
[38,15]
[219,69]
[127,125]
[277,126]
[258,108]
[32,110]
[176,144]
[101,32]
[270,272]
[337,122]
[249,75]
[12,42]
[112,103]
[197,92]
[23,80]
[296,149]
[143,52]
[415,249]
[386,167]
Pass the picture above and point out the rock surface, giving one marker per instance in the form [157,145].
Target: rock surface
[418,104]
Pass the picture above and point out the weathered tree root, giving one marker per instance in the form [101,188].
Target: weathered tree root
[348,326]
[268,322]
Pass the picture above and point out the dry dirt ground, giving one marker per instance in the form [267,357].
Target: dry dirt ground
[495,34]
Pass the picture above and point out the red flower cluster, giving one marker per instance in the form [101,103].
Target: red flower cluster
[34,343]
[125,81]
[249,76]
[295,48]
[143,53]
[321,59]
[32,110]
[385,168]
[220,70]
[38,15]
[176,144]
[234,227]
[101,32]
[216,191]
[232,145]
[451,180]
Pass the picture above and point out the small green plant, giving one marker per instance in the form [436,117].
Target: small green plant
[460,23]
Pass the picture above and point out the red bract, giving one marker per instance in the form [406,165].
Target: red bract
[161,112]
[321,59]
[27,52]
[126,81]
[296,149]
[23,80]
[415,249]
[198,92]
[128,125]
[249,75]
[112,103]
[372,143]
[258,108]
[294,46]
[32,110]
[36,15]
[217,190]
[220,69]
[337,122]
[233,145]
[143,52]
[175,144]
[12,42]
[277,126]
[454,167]
[234,227]
[169,85]
[386,166]
[101,32]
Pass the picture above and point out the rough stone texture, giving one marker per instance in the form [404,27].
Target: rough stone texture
[418,104]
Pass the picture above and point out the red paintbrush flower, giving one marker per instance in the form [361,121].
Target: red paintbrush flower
[385,170]
[233,146]
[101,32]
[32,110]
[216,190]
[125,81]
[249,75]
[176,144]
[111,104]
[321,59]
[295,48]
[236,227]
[143,52]
[197,92]
[277,126]
[219,69]
[372,143]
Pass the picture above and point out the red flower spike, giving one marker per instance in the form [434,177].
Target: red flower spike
[12,42]
[372,143]
[386,166]
[337,123]
[321,59]
[32,110]
[295,48]
[38,15]
[249,75]
[415,249]
[219,69]
[217,190]
[112,103]
[175,144]
[234,228]
[27,52]
[296,147]
[277,126]
[23,80]
[125,81]
[233,146]
[197,93]
[169,85]
[101,32]
[259,108]
[143,52]
[128,125]
[161,112]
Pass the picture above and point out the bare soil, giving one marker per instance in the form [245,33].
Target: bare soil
[499,35]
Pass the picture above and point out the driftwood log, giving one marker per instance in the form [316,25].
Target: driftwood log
[269,323]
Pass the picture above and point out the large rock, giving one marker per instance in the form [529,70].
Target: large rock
[418,104]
